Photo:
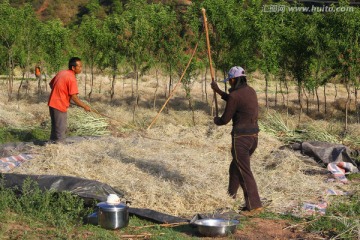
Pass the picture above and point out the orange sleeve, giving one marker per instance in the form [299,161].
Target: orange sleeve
[73,88]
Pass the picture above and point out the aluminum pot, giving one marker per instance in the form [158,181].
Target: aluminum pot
[216,227]
[112,216]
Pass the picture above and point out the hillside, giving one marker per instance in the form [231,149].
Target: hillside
[69,11]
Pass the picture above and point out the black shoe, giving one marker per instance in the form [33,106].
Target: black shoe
[242,209]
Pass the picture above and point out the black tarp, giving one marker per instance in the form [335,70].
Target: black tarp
[84,188]
[89,190]
[324,152]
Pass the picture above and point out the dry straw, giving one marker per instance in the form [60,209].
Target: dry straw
[276,125]
[175,167]
[181,170]
[82,123]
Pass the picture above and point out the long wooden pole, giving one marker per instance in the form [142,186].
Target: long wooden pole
[209,56]
[172,92]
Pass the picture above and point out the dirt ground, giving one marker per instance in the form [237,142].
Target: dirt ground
[267,229]
[175,167]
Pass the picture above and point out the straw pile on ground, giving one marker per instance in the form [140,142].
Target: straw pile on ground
[181,170]
[174,167]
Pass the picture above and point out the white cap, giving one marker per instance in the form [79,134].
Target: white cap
[234,73]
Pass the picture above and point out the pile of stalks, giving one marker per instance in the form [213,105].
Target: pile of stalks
[274,124]
[82,123]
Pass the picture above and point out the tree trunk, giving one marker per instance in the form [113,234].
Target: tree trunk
[188,96]
[356,106]
[276,93]
[85,88]
[136,103]
[307,100]
[170,82]
[205,86]
[226,86]
[39,91]
[287,100]
[317,100]
[357,110]
[137,84]
[91,80]
[21,84]
[45,82]
[282,80]
[112,91]
[11,76]
[156,87]
[325,101]
[300,100]
[100,84]
[266,90]
[192,111]
[347,105]
[135,107]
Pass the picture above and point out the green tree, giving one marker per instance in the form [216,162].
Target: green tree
[297,51]
[138,41]
[91,41]
[322,62]
[223,17]
[10,38]
[268,31]
[348,53]
[138,38]
[27,49]
[54,44]
[114,28]
[167,45]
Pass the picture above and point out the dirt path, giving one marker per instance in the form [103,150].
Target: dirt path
[258,228]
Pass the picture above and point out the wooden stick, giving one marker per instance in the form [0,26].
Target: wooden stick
[209,56]
[172,92]
[103,115]
[145,235]
[163,225]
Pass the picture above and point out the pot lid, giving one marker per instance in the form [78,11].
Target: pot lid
[112,207]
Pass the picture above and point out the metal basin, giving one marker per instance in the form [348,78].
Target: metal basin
[216,227]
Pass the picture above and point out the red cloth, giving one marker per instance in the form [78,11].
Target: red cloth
[63,85]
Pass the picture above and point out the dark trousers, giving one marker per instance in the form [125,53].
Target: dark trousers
[240,172]
[58,125]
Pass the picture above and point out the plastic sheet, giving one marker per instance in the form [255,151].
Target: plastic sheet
[324,152]
[84,188]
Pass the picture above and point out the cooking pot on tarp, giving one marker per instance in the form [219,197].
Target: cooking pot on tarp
[112,215]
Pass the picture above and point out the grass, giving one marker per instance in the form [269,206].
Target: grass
[23,135]
[80,124]
[288,132]
[29,213]
[342,219]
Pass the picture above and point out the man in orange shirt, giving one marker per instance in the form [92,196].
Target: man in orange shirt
[37,72]
[63,89]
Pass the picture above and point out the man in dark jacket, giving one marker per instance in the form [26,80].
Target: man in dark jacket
[242,108]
